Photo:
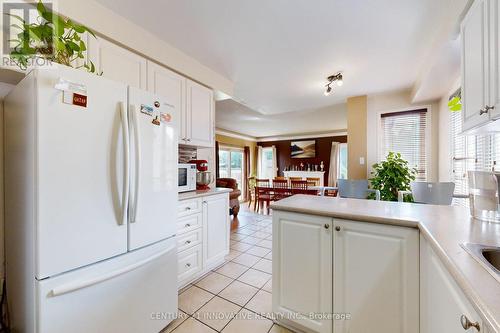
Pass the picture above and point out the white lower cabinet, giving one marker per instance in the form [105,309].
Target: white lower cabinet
[376,278]
[216,230]
[302,270]
[203,230]
[442,303]
[345,277]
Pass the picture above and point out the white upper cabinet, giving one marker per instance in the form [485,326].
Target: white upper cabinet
[200,115]
[376,278]
[494,99]
[474,65]
[480,32]
[302,270]
[117,63]
[442,303]
[172,86]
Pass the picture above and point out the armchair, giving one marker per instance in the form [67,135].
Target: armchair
[234,202]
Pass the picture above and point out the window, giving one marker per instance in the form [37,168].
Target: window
[342,161]
[231,161]
[405,133]
[267,170]
[479,152]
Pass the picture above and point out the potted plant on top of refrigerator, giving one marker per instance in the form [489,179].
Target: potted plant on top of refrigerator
[52,38]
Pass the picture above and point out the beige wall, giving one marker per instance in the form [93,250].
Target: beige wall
[107,23]
[395,102]
[240,143]
[356,136]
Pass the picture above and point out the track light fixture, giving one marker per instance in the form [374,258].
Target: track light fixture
[337,78]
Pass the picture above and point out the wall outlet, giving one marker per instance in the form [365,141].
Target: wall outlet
[362,161]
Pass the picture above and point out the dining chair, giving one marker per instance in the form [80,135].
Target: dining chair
[430,193]
[251,190]
[262,195]
[313,181]
[297,185]
[295,178]
[280,189]
[279,178]
[356,189]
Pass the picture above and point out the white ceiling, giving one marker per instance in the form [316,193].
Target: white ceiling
[278,52]
[233,116]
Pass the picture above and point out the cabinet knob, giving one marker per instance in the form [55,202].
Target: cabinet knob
[187,225]
[327,226]
[188,265]
[188,208]
[486,109]
[483,111]
[188,140]
[188,242]
[337,228]
[466,323]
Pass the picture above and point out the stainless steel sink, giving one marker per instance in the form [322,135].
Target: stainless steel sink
[487,256]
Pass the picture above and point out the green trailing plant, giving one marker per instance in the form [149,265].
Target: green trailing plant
[52,37]
[455,101]
[391,176]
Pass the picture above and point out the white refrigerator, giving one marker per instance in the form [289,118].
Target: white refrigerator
[91,203]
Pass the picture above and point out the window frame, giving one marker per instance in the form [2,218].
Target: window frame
[231,149]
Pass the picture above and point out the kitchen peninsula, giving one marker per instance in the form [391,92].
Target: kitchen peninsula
[380,267]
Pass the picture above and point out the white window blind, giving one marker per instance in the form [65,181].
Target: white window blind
[479,152]
[404,133]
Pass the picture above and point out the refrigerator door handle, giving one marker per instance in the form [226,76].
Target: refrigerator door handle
[137,147]
[74,286]
[126,173]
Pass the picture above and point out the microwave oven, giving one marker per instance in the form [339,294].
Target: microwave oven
[187,177]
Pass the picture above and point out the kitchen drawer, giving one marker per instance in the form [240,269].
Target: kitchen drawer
[189,264]
[189,223]
[189,207]
[189,239]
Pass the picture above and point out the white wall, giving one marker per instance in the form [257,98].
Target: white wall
[395,102]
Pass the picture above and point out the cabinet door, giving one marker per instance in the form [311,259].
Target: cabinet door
[474,65]
[215,229]
[117,63]
[302,270]
[200,114]
[442,303]
[376,278]
[494,49]
[172,86]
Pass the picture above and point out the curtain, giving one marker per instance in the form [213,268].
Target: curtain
[217,160]
[259,162]
[275,162]
[334,156]
[246,171]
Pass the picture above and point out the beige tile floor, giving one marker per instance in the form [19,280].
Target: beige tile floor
[236,296]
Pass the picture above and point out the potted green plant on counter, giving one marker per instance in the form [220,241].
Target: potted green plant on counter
[52,38]
[391,176]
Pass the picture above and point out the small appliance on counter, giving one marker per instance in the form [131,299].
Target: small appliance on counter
[484,195]
[187,177]
[203,177]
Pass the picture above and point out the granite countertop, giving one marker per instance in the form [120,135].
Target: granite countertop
[445,227]
[204,193]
